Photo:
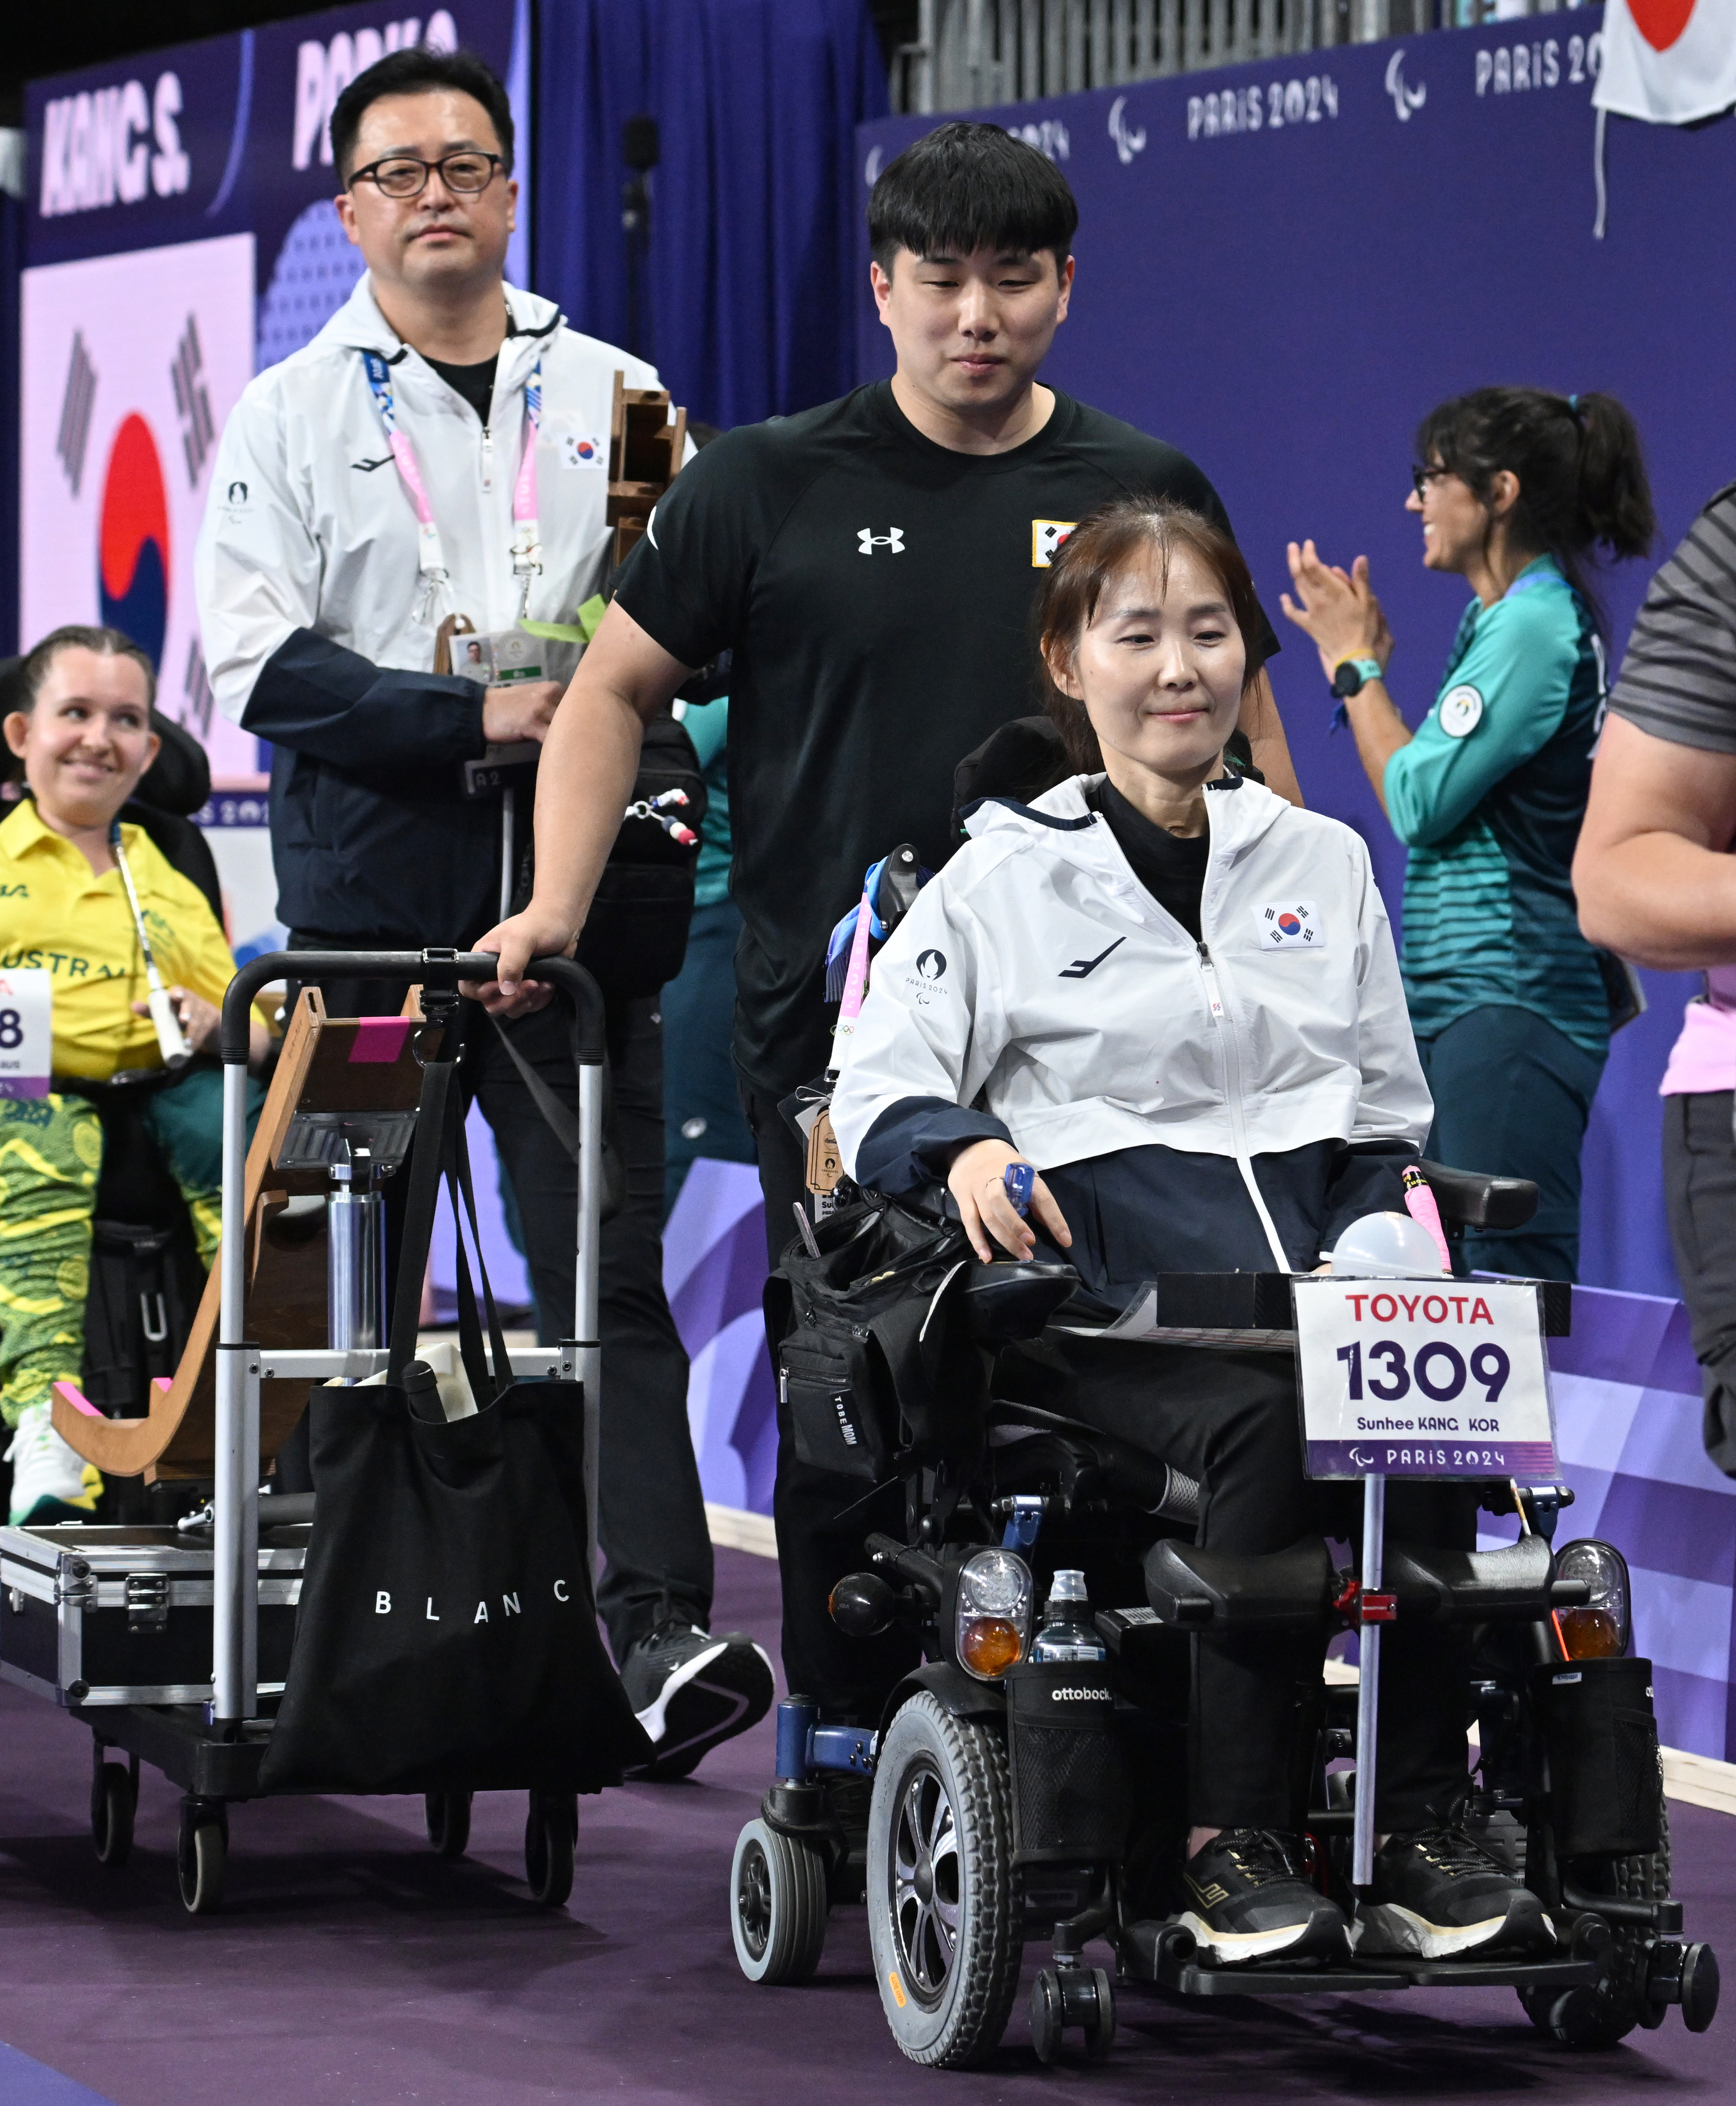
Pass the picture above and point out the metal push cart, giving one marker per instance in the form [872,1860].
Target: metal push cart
[112,1623]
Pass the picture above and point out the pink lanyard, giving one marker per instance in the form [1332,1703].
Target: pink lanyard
[527,544]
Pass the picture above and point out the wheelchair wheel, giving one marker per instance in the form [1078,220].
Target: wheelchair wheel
[447,1814]
[551,1839]
[777,1905]
[1599,2018]
[943,1915]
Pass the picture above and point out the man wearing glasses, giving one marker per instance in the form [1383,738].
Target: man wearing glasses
[397,500]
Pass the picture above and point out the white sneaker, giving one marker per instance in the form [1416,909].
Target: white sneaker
[51,1481]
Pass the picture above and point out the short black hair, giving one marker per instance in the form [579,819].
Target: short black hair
[417,71]
[968,187]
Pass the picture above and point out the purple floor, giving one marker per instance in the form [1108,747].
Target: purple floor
[350,1965]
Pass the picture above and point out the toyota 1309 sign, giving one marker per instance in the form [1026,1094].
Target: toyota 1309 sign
[1409,1378]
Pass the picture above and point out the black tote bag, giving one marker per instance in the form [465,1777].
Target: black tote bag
[447,1634]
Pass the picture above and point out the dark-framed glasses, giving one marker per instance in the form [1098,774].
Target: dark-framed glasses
[406,175]
[1422,479]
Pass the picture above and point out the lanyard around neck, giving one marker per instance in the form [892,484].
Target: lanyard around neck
[527,544]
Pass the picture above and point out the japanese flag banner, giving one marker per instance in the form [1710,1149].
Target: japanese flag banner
[1668,61]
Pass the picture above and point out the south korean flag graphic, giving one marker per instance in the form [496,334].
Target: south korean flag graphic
[1291,925]
[1046,537]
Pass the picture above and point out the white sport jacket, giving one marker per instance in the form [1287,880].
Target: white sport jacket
[1036,981]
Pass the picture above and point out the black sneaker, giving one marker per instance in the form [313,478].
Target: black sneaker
[1250,1898]
[691,1691]
[1439,1894]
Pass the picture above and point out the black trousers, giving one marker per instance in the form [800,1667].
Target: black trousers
[1231,1422]
[822,1520]
[1699,1162]
[651,1513]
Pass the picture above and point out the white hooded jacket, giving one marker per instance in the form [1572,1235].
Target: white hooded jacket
[1036,981]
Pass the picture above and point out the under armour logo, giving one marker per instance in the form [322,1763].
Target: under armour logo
[867,540]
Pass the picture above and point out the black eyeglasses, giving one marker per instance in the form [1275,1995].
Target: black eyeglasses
[1422,477]
[404,176]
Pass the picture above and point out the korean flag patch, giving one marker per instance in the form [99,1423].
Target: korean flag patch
[1461,711]
[578,451]
[1046,536]
[1291,925]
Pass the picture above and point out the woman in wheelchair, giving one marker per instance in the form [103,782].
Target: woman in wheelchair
[1175,997]
[81,730]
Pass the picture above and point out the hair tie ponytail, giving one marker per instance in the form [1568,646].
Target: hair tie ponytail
[1575,412]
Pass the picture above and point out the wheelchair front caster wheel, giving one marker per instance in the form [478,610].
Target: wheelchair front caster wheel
[777,1896]
[202,1855]
[1699,1987]
[1063,1996]
[551,1838]
[1048,2017]
[1100,2031]
[448,1818]
[114,1798]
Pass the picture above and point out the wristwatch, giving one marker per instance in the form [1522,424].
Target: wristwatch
[1353,674]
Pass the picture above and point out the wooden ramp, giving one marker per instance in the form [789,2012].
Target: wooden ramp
[331,1069]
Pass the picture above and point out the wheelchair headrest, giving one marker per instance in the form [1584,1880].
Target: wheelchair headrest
[1478,1199]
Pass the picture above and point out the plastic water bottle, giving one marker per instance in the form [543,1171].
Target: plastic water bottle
[1067,1631]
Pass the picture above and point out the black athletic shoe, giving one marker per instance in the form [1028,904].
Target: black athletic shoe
[691,1691]
[1249,1898]
[1439,1894]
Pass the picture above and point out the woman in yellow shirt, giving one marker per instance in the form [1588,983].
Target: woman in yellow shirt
[82,733]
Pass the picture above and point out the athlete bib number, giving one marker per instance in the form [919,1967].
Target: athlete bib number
[26,1033]
[1416,1379]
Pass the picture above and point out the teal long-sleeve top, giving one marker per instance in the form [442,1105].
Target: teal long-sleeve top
[1488,796]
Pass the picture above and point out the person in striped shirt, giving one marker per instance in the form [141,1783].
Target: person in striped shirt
[1517,489]
[1656,881]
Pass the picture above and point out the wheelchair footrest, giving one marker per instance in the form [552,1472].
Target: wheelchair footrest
[1495,1973]
[1149,1955]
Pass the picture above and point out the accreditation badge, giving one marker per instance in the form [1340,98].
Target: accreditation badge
[505,658]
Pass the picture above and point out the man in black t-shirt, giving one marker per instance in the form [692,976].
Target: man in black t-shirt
[870,566]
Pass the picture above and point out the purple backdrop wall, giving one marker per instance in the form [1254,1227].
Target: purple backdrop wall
[1285,302]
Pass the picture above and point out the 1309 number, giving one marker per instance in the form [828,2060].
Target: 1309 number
[1438,1371]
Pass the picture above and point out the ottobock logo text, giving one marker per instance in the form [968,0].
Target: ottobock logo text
[1078,1696]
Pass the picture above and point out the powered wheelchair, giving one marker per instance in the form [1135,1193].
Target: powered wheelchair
[1012,1799]
[146,1278]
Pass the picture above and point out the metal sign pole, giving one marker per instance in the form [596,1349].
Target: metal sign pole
[1369,1680]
